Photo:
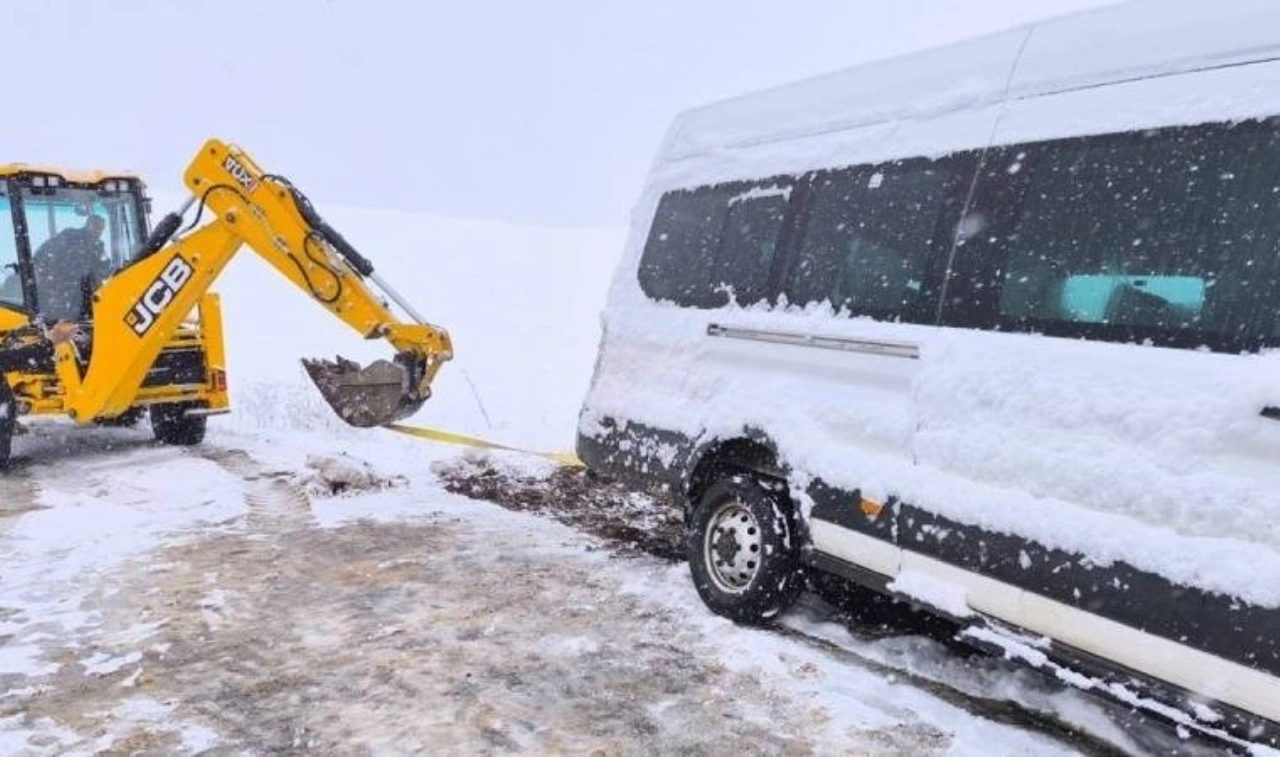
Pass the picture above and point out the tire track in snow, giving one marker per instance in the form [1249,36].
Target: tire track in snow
[598,508]
[274,502]
[19,493]
[80,507]
[997,710]
[470,634]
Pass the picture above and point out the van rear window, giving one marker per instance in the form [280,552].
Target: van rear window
[712,245]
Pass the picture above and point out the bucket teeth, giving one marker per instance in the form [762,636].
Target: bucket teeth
[372,396]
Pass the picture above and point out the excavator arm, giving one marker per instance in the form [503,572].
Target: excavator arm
[138,310]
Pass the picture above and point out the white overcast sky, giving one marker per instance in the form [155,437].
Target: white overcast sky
[546,112]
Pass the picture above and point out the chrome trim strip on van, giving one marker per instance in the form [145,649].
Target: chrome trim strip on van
[865,346]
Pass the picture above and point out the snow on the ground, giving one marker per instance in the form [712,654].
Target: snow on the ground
[217,607]
[165,600]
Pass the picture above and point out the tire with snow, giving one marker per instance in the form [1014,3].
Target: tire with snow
[6,442]
[8,417]
[743,550]
[172,425]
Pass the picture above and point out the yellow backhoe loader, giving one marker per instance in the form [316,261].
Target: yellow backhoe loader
[76,247]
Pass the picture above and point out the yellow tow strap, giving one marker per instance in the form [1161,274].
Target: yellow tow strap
[462,440]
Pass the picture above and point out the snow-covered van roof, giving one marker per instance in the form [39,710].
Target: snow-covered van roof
[1133,41]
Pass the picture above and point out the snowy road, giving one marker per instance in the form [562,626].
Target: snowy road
[176,601]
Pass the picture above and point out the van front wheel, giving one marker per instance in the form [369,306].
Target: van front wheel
[742,549]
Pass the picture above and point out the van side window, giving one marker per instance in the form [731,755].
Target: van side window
[750,242]
[1168,235]
[711,244]
[867,238]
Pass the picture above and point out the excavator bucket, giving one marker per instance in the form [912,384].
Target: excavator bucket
[364,397]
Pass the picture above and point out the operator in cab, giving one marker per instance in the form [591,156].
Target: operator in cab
[68,267]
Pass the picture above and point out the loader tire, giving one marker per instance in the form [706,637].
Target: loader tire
[8,417]
[172,425]
[6,445]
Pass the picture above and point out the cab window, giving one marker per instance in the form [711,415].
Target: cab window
[10,281]
[78,238]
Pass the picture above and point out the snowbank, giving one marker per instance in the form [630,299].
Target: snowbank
[522,304]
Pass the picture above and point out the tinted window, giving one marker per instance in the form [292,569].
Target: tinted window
[1169,235]
[749,243]
[710,244]
[868,239]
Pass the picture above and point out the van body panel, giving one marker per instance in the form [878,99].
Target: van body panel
[1079,51]
[935,136]
[1142,40]
[1034,359]
[921,86]
[858,403]
[1232,93]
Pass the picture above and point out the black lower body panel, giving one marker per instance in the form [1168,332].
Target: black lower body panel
[637,453]
[1217,624]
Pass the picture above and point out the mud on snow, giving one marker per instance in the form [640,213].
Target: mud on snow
[330,608]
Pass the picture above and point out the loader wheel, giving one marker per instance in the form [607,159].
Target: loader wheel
[6,442]
[743,550]
[172,425]
[8,417]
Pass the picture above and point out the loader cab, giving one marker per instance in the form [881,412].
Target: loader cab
[61,234]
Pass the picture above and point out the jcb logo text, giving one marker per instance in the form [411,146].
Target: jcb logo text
[158,296]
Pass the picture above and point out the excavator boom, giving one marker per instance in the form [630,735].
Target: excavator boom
[137,310]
